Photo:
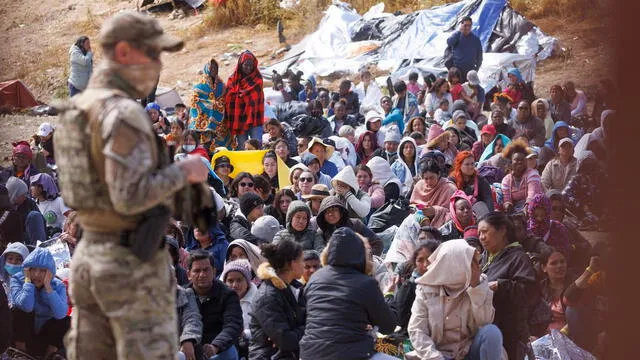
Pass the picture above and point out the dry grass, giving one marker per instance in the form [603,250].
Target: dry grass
[238,12]
[575,9]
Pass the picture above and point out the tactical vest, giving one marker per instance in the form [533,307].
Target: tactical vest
[81,163]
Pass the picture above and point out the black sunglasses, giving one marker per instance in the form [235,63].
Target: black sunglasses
[305,179]
[244,184]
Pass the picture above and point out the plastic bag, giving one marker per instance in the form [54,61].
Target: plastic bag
[60,251]
[558,346]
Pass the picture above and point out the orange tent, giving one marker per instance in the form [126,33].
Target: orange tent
[14,94]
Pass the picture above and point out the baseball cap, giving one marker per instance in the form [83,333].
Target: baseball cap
[138,28]
[565,140]
[489,129]
[45,129]
[535,151]
[472,77]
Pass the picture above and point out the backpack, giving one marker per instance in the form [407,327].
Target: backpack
[391,213]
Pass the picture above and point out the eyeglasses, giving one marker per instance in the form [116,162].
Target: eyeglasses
[306,179]
[223,166]
[244,184]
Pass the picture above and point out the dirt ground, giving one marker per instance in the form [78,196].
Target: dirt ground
[36,36]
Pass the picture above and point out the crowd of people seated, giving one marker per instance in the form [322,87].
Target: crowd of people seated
[441,216]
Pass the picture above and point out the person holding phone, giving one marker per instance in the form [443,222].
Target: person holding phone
[39,315]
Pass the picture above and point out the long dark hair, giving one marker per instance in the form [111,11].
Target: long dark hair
[281,253]
[410,265]
[235,183]
[501,221]
[276,201]
[80,44]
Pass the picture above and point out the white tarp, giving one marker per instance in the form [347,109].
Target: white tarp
[410,41]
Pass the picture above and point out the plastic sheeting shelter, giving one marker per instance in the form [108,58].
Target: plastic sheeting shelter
[15,95]
[167,97]
[345,41]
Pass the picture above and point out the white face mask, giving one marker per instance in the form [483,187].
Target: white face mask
[188,148]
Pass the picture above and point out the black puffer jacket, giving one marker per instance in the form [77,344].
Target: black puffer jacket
[341,302]
[277,319]
[517,292]
[307,125]
[325,229]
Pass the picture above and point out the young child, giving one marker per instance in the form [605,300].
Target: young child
[173,138]
[52,207]
[44,142]
[413,86]
[442,114]
[455,87]
[312,263]
[181,112]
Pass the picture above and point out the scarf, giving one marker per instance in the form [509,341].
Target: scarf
[459,194]
[207,109]
[245,99]
[137,81]
[48,185]
[450,267]
[552,232]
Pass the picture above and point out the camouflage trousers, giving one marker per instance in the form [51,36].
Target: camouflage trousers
[123,308]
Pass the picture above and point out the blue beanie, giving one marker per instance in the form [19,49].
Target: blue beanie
[153,106]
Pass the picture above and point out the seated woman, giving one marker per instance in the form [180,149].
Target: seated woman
[552,232]
[222,167]
[278,317]
[345,187]
[281,202]
[305,183]
[366,147]
[540,109]
[237,276]
[343,300]
[275,131]
[405,168]
[466,129]
[313,164]
[334,215]
[452,314]
[408,272]
[298,228]
[416,124]
[39,315]
[294,176]
[242,249]
[461,217]
[270,165]
[281,148]
[374,190]
[467,179]
[556,280]
[521,184]
[511,278]
[432,194]
[71,231]
[10,264]
[515,89]
[382,174]
[561,130]
[313,200]
[50,203]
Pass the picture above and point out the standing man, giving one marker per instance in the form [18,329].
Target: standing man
[123,190]
[466,49]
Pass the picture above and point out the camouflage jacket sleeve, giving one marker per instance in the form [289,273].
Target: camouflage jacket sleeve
[133,179]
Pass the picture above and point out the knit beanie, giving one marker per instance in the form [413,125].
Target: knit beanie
[250,201]
[16,188]
[241,265]
[265,228]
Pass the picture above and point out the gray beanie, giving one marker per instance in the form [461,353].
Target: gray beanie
[16,188]
[265,228]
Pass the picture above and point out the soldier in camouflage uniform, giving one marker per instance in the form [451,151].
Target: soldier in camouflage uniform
[111,172]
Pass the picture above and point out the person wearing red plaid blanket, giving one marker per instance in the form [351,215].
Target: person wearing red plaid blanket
[244,105]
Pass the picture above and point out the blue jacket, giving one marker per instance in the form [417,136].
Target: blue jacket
[28,298]
[551,143]
[218,246]
[467,51]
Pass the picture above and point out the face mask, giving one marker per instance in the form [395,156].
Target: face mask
[12,269]
[142,77]
[188,148]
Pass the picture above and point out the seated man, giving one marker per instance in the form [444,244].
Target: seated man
[31,219]
[190,324]
[251,208]
[39,315]
[219,307]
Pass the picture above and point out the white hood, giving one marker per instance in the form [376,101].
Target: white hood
[347,176]
[381,171]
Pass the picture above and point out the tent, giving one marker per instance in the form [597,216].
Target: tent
[14,95]
[346,42]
